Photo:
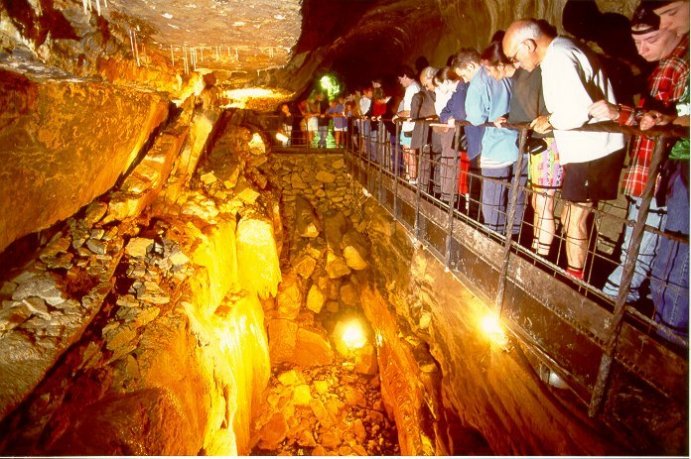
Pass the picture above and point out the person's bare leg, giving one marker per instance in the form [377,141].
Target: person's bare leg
[575,218]
[410,163]
[543,219]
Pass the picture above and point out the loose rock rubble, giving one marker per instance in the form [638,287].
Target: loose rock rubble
[327,410]
[320,402]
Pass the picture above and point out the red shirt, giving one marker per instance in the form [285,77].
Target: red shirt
[666,84]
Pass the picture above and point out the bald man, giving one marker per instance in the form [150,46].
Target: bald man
[572,80]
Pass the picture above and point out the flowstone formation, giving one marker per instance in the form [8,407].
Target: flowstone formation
[134,330]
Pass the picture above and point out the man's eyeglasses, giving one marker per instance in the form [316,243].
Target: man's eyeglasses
[513,58]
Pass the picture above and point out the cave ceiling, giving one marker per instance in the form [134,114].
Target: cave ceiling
[276,43]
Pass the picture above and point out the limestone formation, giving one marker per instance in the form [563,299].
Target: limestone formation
[47,119]
[315,299]
[315,404]
[307,224]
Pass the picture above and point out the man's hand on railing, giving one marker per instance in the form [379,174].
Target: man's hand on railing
[499,122]
[541,124]
[604,111]
[654,118]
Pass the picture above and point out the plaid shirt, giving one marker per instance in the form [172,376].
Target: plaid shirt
[666,84]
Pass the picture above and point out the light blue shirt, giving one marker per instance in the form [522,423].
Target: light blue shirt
[488,99]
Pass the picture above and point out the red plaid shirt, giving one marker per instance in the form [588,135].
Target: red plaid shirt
[666,84]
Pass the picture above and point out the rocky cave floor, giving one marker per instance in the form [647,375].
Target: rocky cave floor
[325,410]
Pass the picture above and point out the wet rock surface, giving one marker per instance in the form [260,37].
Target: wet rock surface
[157,349]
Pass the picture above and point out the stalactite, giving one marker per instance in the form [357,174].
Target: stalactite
[88,6]
[135,48]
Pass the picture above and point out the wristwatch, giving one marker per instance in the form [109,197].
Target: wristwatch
[617,107]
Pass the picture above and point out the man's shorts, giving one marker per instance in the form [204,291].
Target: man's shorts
[592,181]
[406,139]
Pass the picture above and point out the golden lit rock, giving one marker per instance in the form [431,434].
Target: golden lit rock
[256,252]
[315,299]
[307,224]
[289,297]
[353,259]
[336,266]
[312,348]
[291,378]
[282,340]
[248,196]
[348,295]
[304,266]
[256,144]
[325,177]
[58,154]
[273,432]
[366,360]
[322,387]
[302,395]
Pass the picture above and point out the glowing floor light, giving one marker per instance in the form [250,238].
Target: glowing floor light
[352,334]
[281,137]
[493,330]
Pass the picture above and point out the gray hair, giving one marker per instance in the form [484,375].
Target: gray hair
[529,29]
[428,73]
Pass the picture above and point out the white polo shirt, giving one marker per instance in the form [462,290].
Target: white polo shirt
[571,81]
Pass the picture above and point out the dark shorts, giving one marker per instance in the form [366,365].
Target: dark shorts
[593,180]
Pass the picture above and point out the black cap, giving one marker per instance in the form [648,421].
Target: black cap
[655,4]
[644,20]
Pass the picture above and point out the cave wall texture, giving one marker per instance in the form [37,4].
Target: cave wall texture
[79,107]
[79,76]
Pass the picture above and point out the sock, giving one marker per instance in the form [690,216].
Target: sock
[575,272]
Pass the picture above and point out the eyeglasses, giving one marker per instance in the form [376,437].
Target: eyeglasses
[513,58]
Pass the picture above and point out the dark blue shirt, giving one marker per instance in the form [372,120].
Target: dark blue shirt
[455,108]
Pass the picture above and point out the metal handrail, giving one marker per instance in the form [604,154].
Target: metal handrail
[620,307]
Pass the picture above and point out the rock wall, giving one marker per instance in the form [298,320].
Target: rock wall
[169,354]
[449,389]
[63,143]
[323,254]
[480,398]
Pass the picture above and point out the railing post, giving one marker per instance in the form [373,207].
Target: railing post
[605,368]
[454,189]
[515,185]
[380,164]
[417,184]
[396,166]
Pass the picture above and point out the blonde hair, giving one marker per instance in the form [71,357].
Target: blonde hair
[428,74]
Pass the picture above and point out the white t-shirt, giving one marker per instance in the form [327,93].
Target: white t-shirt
[410,91]
[443,93]
[365,103]
[571,81]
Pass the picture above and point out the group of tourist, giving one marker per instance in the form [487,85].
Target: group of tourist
[529,74]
